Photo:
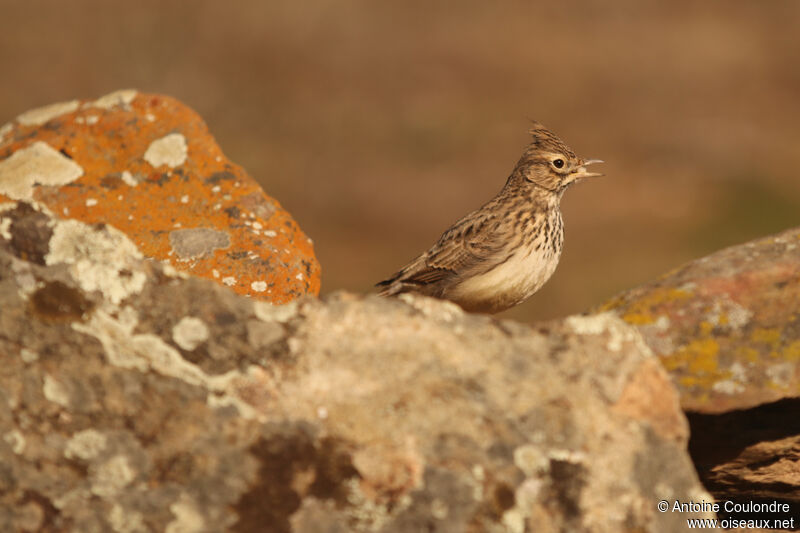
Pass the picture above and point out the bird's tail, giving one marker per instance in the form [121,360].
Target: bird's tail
[390,286]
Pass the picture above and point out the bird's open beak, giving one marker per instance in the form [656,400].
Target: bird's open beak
[581,171]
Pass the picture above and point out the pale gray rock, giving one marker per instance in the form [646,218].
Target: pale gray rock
[140,400]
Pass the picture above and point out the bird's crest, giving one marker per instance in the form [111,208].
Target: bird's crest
[545,140]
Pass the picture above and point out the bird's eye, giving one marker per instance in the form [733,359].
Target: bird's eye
[558,163]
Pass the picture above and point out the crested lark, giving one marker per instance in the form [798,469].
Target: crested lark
[499,255]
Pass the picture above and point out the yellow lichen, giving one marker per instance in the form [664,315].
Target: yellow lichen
[641,311]
[769,336]
[638,319]
[700,355]
[705,382]
[747,353]
[703,355]
[700,360]
[791,352]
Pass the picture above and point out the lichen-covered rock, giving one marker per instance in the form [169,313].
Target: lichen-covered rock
[726,327]
[136,399]
[147,165]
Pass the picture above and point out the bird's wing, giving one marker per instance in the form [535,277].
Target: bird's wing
[474,241]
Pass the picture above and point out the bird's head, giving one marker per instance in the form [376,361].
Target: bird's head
[550,164]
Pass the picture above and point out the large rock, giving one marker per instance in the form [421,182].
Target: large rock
[727,328]
[134,399]
[147,165]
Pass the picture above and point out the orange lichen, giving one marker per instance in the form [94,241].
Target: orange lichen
[116,142]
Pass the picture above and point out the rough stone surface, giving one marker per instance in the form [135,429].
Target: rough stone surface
[173,404]
[750,454]
[147,165]
[726,327]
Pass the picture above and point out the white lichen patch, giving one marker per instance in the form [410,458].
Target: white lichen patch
[28,356]
[781,374]
[126,521]
[188,518]
[90,202]
[122,97]
[127,177]
[477,479]
[169,150]
[96,259]
[55,391]
[146,351]
[259,286]
[738,372]
[736,383]
[112,476]
[5,228]
[230,281]
[268,312]
[37,164]
[24,277]
[568,456]
[367,514]
[531,460]
[86,445]
[728,386]
[607,323]
[738,315]
[190,333]
[729,314]
[5,129]
[440,309]
[16,440]
[44,114]
[525,497]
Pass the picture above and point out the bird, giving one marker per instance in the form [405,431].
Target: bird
[499,255]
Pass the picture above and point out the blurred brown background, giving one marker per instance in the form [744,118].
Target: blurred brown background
[377,124]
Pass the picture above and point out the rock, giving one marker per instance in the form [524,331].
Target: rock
[136,399]
[750,454]
[147,165]
[727,326]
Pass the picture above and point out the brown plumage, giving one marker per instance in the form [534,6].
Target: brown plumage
[499,255]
